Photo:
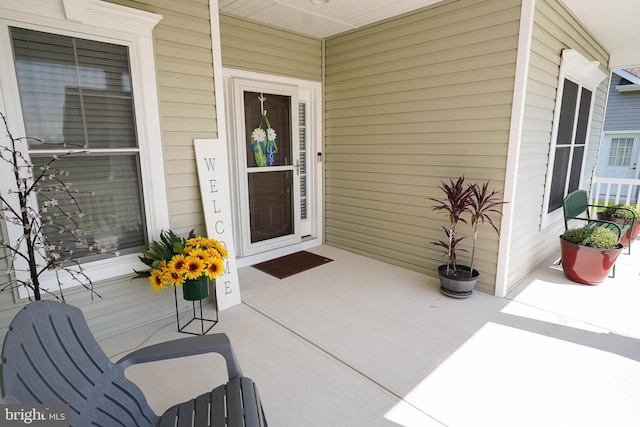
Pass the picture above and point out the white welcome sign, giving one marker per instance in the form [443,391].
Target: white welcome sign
[213,176]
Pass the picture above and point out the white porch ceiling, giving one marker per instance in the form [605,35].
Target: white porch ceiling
[613,22]
[320,20]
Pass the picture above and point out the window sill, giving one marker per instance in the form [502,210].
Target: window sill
[97,271]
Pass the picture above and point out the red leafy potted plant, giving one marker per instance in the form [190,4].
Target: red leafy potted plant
[482,204]
[479,202]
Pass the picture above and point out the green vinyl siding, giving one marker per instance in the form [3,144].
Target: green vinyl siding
[554,29]
[253,46]
[411,101]
[184,62]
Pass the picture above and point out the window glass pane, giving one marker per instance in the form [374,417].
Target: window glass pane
[278,109]
[270,199]
[40,61]
[74,91]
[559,179]
[567,113]
[583,117]
[576,169]
[105,122]
[113,213]
[620,153]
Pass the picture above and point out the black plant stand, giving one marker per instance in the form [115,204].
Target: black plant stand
[194,316]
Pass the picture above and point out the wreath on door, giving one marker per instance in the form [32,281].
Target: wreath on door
[264,143]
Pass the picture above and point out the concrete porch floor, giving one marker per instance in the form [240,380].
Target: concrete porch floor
[357,342]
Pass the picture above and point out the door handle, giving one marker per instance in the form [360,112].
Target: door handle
[297,166]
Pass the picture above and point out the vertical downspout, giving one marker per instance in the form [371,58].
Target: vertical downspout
[523,58]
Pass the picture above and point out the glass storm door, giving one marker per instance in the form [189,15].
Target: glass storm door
[268,151]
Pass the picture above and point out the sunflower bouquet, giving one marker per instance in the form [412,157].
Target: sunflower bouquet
[174,260]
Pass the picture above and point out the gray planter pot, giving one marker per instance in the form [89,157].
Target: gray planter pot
[457,286]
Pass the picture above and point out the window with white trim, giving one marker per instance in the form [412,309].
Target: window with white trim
[572,121]
[620,152]
[89,81]
[76,93]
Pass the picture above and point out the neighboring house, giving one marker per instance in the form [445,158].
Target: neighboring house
[369,122]
[620,153]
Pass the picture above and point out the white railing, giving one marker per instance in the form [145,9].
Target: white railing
[605,191]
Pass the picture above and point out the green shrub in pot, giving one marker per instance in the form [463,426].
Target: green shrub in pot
[615,212]
[593,237]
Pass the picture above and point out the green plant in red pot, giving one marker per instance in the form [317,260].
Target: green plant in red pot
[623,214]
[589,253]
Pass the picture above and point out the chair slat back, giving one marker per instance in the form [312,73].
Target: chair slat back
[575,205]
[50,356]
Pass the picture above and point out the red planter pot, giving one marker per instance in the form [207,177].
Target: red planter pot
[586,265]
[633,233]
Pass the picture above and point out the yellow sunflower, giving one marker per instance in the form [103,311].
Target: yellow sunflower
[195,267]
[209,243]
[195,242]
[178,264]
[157,280]
[221,249]
[174,278]
[199,253]
[215,267]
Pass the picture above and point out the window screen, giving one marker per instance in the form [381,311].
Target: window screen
[575,111]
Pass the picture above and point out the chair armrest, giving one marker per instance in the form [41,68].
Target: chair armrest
[590,221]
[633,214]
[215,343]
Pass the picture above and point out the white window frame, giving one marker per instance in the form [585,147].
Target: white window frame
[110,23]
[578,69]
[628,159]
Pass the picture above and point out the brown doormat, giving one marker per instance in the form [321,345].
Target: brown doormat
[289,265]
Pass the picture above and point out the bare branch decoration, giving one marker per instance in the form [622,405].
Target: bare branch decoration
[42,205]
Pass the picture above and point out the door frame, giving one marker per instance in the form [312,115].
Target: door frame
[309,92]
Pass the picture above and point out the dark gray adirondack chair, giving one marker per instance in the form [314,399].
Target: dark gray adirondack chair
[50,356]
